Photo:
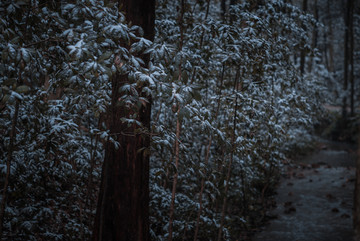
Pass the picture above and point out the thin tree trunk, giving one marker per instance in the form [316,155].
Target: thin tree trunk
[89,187]
[331,39]
[325,54]
[223,10]
[8,167]
[302,52]
[178,129]
[314,35]
[202,190]
[351,55]
[228,175]
[173,193]
[346,58]
[206,162]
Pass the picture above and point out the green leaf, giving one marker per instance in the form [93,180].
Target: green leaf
[21,2]
[4,99]
[15,40]
[22,89]
[184,112]
[196,95]
[105,56]
[4,55]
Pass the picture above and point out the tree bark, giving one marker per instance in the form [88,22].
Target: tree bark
[351,54]
[123,203]
[173,192]
[178,127]
[346,56]
[228,175]
[302,52]
[331,39]
[314,35]
[207,155]
[223,9]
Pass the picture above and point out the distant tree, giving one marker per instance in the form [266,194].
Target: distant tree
[348,57]
[314,34]
[329,46]
[123,203]
[351,5]
[302,52]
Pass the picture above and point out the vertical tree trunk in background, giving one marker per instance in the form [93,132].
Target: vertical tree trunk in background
[123,203]
[173,192]
[314,35]
[228,175]
[207,155]
[302,52]
[346,56]
[351,54]
[178,126]
[331,39]
[223,9]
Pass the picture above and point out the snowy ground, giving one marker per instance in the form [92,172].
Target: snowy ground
[315,199]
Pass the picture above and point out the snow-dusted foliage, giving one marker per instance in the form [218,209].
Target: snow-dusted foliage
[242,104]
[229,103]
[58,59]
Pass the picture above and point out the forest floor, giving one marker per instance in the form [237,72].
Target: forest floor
[315,197]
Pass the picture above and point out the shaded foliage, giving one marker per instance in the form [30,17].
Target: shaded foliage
[231,84]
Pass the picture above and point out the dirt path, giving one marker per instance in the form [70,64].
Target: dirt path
[315,198]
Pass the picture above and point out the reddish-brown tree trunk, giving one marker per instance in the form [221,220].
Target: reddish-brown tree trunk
[228,175]
[123,203]
[173,192]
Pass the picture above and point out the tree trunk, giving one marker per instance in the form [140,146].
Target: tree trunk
[173,192]
[314,35]
[207,155]
[331,40]
[223,9]
[351,54]
[178,128]
[346,57]
[302,52]
[228,175]
[123,203]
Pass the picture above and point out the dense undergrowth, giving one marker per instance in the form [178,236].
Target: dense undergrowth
[229,105]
